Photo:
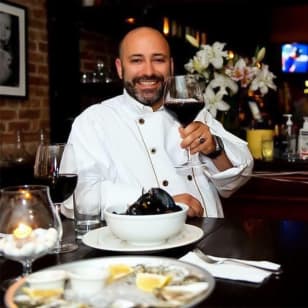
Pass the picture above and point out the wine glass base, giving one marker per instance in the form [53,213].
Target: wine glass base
[5,284]
[64,248]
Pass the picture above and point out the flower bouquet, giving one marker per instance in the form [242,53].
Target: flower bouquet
[223,73]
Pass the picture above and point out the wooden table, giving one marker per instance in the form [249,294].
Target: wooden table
[277,189]
[280,241]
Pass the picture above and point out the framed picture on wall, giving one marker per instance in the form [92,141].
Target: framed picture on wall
[13,50]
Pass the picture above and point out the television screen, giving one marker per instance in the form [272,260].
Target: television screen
[294,58]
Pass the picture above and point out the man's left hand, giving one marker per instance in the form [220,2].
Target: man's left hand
[198,138]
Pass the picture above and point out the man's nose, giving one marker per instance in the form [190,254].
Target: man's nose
[149,68]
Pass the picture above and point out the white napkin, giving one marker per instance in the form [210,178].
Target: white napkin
[232,270]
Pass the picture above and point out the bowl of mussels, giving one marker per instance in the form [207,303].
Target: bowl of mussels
[149,221]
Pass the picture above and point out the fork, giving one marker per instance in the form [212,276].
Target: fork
[210,260]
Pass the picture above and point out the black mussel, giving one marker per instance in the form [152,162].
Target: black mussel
[155,201]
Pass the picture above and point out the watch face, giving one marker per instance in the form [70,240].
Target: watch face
[219,144]
[219,147]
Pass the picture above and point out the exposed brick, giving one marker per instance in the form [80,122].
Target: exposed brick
[43,47]
[43,69]
[22,126]
[29,114]
[33,113]
[38,80]
[7,115]
[36,57]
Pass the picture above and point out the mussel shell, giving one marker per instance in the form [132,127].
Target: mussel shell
[155,201]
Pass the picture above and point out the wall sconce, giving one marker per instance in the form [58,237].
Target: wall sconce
[203,38]
[130,20]
[230,54]
[166,26]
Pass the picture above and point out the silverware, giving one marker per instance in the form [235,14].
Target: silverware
[210,260]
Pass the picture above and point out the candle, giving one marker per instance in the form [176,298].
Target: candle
[22,231]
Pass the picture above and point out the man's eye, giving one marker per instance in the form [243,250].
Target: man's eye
[135,60]
[160,60]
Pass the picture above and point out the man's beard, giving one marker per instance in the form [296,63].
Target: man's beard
[146,97]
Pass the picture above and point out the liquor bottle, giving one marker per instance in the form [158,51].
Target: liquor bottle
[290,140]
[20,156]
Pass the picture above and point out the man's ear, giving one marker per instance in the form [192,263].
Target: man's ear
[118,65]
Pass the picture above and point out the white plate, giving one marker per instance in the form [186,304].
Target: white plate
[104,262]
[104,239]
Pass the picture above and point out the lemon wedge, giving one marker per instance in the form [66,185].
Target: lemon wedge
[148,281]
[42,293]
[117,271]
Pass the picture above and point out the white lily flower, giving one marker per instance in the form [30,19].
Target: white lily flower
[203,56]
[214,101]
[189,66]
[218,55]
[224,77]
[224,82]
[263,81]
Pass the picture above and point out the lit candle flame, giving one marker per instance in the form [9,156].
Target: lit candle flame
[27,194]
[22,231]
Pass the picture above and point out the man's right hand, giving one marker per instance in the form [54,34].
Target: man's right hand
[195,207]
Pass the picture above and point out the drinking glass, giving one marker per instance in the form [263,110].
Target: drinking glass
[29,225]
[267,148]
[183,99]
[62,183]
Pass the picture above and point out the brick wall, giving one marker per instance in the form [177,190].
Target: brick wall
[32,114]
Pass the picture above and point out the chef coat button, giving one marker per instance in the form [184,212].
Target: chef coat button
[153,150]
[165,183]
[189,177]
[141,121]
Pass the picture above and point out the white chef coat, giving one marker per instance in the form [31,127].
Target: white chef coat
[122,147]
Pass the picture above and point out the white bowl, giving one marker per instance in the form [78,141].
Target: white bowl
[87,281]
[145,230]
[49,279]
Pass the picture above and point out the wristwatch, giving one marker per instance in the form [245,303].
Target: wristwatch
[219,147]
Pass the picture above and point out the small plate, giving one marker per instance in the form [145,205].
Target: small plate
[103,238]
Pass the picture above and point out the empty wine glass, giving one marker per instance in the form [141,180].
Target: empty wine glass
[29,225]
[62,183]
[183,99]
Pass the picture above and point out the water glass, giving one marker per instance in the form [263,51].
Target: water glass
[87,208]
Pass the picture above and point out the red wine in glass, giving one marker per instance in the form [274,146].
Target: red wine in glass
[184,112]
[183,99]
[61,187]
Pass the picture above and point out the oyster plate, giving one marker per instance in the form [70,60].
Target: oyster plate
[127,293]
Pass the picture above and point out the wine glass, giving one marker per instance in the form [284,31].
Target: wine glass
[29,225]
[62,183]
[183,99]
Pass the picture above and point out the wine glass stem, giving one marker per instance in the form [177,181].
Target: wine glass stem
[58,207]
[188,155]
[27,267]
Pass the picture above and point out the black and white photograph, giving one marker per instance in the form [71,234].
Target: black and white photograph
[13,50]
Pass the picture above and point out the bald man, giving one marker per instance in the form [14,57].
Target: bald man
[129,143]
